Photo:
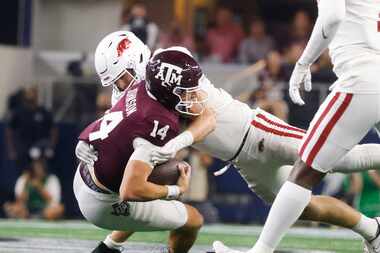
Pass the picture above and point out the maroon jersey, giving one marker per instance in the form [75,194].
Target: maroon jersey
[136,114]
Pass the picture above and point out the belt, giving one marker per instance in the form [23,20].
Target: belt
[87,179]
[241,145]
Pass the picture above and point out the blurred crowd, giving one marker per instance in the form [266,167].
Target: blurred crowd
[31,137]
[31,133]
[226,39]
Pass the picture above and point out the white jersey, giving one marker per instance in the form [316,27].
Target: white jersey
[232,122]
[355,49]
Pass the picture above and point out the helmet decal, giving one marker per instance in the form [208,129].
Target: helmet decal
[171,77]
[122,46]
[120,52]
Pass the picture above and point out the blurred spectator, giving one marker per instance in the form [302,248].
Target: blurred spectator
[268,95]
[137,21]
[273,68]
[30,125]
[224,39]
[292,53]
[301,26]
[323,70]
[257,45]
[198,191]
[175,36]
[38,195]
[333,184]
[103,103]
[369,200]
[15,101]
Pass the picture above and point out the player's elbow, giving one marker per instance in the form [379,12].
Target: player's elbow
[337,18]
[133,193]
[334,15]
[130,194]
[331,13]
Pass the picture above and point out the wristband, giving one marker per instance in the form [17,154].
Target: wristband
[173,192]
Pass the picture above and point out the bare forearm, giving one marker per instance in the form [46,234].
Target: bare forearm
[145,192]
[203,125]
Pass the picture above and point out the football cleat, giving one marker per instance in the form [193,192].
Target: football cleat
[373,246]
[219,247]
[103,248]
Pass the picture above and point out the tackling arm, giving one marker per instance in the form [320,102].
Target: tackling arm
[202,125]
[198,129]
[330,15]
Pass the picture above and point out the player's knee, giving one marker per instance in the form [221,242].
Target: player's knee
[195,219]
[304,175]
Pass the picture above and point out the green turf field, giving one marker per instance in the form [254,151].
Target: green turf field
[237,236]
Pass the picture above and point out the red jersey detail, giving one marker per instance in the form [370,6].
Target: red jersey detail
[329,127]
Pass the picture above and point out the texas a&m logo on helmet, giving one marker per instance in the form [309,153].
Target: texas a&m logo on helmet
[169,74]
[172,77]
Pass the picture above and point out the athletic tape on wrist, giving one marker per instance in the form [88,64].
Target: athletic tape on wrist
[173,192]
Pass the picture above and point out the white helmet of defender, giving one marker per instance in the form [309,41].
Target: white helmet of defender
[119,53]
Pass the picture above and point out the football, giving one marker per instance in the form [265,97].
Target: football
[166,173]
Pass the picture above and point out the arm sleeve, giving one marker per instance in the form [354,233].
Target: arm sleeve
[142,152]
[330,15]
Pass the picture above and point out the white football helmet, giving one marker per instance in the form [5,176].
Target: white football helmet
[119,53]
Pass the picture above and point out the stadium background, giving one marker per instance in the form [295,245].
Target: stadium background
[49,44]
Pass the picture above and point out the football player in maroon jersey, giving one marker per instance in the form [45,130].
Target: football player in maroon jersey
[113,192]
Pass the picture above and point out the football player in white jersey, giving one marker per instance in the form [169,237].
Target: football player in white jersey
[258,143]
[351,30]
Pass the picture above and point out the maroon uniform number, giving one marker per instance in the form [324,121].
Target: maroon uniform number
[135,115]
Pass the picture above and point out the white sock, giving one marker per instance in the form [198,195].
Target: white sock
[286,209]
[261,248]
[366,227]
[112,244]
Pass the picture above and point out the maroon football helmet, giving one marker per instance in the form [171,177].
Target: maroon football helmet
[172,77]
